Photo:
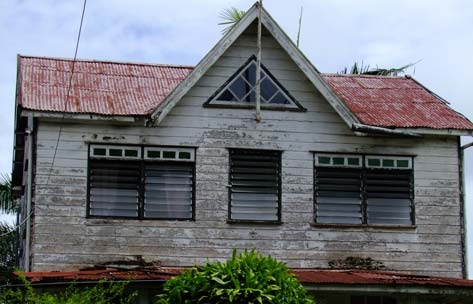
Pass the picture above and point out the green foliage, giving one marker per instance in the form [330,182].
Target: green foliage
[245,278]
[7,203]
[360,69]
[102,293]
[230,18]
[8,247]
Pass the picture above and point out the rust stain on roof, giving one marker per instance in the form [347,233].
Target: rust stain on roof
[306,276]
[394,102]
[312,276]
[104,88]
[132,89]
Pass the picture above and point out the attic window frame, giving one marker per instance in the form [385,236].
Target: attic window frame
[214,102]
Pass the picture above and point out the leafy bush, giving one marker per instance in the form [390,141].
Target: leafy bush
[102,293]
[246,278]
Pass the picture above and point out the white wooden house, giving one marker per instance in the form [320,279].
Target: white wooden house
[166,165]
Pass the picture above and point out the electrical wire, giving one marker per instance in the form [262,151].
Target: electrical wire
[68,92]
[17,226]
[62,119]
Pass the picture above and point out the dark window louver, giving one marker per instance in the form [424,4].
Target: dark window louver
[114,188]
[254,185]
[363,195]
[338,195]
[168,190]
[388,196]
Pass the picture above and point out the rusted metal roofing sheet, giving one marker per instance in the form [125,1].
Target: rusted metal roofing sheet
[158,273]
[311,276]
[306,276]
[132,89]
[400,102]
[104,88]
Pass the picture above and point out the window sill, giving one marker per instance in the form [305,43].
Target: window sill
[112,219]
[364,226]
[248,222]
[231,105]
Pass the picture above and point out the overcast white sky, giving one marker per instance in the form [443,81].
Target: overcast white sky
[335,33]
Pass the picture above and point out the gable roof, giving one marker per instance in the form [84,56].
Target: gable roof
[133,89]
[221,47]
[98,87]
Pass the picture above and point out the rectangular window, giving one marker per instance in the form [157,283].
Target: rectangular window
[133,182]
[363,190]
[255,185]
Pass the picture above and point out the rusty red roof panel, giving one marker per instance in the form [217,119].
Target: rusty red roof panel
[132,89]
[306,276]
[400,102]
[312,276]
[158,273]
[104,88]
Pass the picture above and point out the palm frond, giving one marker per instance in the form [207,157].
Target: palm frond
[357,69]
[230,18]
[7,203]
[8,247]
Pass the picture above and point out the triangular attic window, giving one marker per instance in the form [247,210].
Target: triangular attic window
[240,90]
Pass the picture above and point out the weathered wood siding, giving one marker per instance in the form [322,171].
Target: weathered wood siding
[65,239]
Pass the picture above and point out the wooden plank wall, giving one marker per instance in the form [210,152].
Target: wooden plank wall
[65,240]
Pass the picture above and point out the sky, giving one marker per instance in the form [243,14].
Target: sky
[335,33]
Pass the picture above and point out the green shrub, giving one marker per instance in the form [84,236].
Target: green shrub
[101,293]
[246,278]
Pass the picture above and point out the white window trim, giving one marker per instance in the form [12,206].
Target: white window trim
[345,156]
[394,158]
[107,151]
[169,149]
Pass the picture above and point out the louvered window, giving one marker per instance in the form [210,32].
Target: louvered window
[255,182]
[114,187]
[168,190]
[355,189]
[143,183]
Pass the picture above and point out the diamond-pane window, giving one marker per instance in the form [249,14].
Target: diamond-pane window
[240,89]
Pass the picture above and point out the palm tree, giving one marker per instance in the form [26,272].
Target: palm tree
[8,248]
[230,18]
[7,203]
[8,232]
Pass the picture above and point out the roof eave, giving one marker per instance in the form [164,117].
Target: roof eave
[81,116]
[390,288]
[433,131]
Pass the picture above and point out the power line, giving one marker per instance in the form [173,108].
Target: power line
[68,92]
[62,118]
[17,226]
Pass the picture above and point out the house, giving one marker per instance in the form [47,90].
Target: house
[355,182]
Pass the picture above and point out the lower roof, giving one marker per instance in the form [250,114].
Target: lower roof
[133,89]
[305,276]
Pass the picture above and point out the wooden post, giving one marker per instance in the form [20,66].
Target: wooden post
[258,64]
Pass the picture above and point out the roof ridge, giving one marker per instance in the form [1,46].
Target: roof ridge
[364,76]
[109,61]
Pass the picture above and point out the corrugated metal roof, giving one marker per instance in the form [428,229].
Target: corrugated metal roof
[114,88]
[307,276]
[385,101]
[98,87]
